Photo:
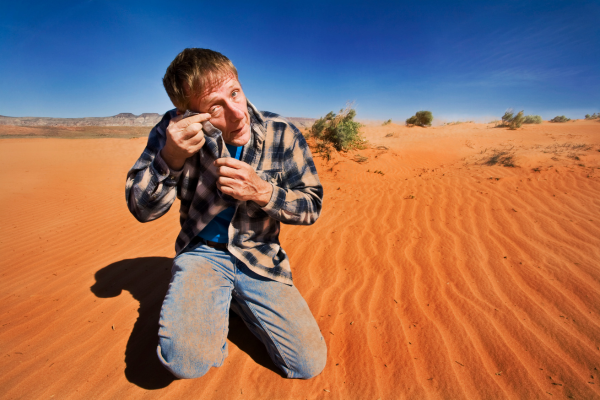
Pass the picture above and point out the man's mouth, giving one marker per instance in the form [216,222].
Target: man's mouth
[237,131]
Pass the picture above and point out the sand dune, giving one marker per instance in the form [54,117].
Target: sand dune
[431,273]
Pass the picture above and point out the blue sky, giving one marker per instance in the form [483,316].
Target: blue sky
[458,59]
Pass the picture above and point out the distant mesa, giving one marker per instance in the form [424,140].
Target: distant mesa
[121,119]
[301,122]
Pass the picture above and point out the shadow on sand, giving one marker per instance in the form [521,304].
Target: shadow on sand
[147,279]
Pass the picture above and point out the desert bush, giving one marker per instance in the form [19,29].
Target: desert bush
[389,121]
[511,120]
[593,116]
[323,149]
[516,121]
[462,122]
[421,118]
[507,117]
[341,131]
[560,118]
[532,119]
[319,125]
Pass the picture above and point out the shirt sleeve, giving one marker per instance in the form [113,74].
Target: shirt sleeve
[151,185]
[297,194]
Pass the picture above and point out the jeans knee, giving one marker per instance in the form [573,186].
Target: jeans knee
[311,363]
[185,361]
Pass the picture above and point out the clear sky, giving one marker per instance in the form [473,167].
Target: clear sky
[458,59]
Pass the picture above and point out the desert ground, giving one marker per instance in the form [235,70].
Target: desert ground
[453,262]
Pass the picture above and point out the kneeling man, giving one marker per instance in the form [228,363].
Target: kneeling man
[239,173]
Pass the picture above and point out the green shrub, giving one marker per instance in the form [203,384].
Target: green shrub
[421,118]
[507,117]
[324,149]
[319,126]
[560,118]
[389,121]
[532,119]
[593,116]
[511,120]
[340,130]
[516,121]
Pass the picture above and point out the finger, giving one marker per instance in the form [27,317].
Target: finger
[197,138]
[225,189]
[228,172]
[196,143]
[194,119]
[191,131]
[229,162]
[226,181]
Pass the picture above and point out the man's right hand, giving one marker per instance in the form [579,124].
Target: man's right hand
[184,139]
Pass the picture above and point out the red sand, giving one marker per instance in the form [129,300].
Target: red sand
[437,278]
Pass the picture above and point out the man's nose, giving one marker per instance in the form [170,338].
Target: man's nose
[235,112]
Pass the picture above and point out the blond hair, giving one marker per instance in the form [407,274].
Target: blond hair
[195,71]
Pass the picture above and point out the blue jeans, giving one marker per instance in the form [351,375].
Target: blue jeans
[195,314]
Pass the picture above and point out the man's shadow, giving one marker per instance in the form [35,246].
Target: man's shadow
[147,279]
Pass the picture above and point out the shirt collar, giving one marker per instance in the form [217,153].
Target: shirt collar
[257,120]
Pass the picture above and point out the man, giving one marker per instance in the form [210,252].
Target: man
[238,172]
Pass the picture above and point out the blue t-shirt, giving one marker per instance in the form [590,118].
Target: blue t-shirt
[217,229]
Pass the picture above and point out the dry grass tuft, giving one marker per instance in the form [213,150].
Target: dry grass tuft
[502,157]
[359,158]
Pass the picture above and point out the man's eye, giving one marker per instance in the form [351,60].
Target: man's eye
[234,93]
[214,110]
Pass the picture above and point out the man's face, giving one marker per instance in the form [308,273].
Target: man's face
[226,103]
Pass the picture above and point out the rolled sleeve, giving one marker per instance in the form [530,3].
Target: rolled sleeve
[161,170]
[151,187]
[297,192]
[276,201]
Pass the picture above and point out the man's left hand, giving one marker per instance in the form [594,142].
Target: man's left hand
[240,181]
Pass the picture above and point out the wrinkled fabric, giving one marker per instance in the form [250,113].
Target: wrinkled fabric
[194,317]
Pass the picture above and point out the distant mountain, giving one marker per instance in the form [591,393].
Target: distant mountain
[301,122]
[122,119]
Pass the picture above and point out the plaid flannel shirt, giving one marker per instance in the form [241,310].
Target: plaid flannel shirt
[277,152]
